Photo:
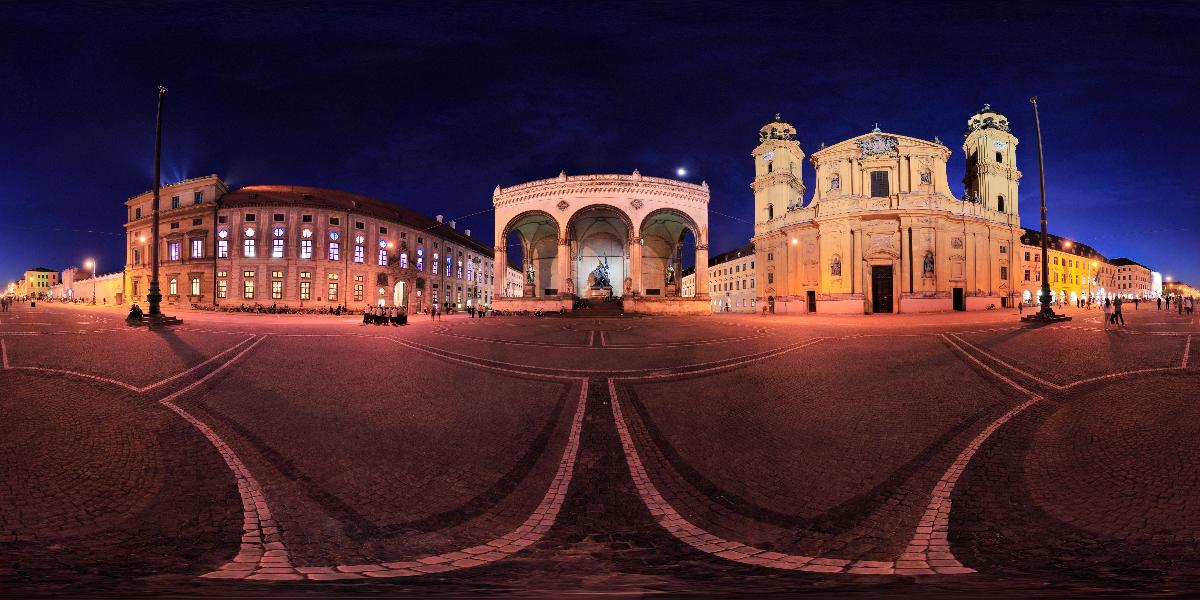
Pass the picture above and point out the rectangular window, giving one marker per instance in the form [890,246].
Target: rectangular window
[306,290]
[305,248]
[335,221]
[277,248]
[223,219]
[1026,256]
[434,264]
[333,286]
[277,274]
[248,285]
[222,288]
[137,257]
[383,231]
[195,286]
[334,253]
[173,287]
[358,292]
[770,278]
[175,225]
[306,218]
[879,184]
[382,257]
[174,201]
[248,248]
[249,217]
[1026,274]
[197,197]
[1003,249]
[278,216]
[359,225]
[1003,273]
[197,221]
[359,254]
[137,213]
[197,248]
[172,250]
[403,260]
[222,248]
[277,290]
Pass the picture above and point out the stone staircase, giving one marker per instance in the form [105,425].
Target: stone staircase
[597,308]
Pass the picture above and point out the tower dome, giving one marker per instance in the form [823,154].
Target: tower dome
[987,118]
[777,129]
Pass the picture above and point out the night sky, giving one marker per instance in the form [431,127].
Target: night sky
[432,105]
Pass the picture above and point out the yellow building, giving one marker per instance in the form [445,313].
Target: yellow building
[37,282]
[1077,271]
[882,231]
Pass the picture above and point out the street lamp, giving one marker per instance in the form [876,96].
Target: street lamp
[91,266]
[1046,313]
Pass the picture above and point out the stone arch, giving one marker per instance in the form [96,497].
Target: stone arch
[661,236]
[538,234]
[591,235]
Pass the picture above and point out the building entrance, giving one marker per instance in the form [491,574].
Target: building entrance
[960,302]
[881,289]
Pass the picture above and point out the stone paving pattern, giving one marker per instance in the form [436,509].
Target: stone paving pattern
[933,454]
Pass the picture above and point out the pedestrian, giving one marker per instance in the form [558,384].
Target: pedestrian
[1136,302]
[1179,304]
[1020,308]
[1107,313]
[1191,301]
[1118,314]
[1160,303]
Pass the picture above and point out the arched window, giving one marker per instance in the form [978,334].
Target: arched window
[999,157]
[420,260]
[770,211]
[1000,203]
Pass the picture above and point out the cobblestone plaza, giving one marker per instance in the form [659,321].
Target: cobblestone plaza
[299,455]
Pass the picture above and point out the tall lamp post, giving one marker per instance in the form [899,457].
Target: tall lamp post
[154,298]
[1046,313]
[91,265]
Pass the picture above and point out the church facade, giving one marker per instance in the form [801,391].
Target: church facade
[882,232]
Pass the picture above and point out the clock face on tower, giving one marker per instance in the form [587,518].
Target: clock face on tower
[999,144]
[769,155]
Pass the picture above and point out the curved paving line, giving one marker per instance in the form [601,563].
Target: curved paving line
[263,555]
[928,551]
[117,382]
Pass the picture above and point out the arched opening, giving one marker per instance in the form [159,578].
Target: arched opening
[400,294]
[530,241]
[599,238]
[668,241]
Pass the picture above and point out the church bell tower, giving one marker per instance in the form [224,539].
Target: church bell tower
[991,152]
[778,160]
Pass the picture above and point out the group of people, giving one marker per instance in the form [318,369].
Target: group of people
[6,303]
[1182,305]
[385,315]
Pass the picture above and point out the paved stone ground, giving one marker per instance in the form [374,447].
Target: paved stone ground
[935,455]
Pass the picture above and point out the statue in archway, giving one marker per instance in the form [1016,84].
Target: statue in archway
[928,267]
[531,274]
[570,285]
[600,275]
[670,273]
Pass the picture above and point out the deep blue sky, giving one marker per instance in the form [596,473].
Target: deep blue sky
[431,105]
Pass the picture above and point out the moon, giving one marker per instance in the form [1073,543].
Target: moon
[682,172]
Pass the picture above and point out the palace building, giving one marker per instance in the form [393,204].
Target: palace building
[731,286]
[301,247]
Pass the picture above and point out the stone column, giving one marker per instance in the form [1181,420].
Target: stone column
[635,265]
[563,260]
[702,271]
[499,272]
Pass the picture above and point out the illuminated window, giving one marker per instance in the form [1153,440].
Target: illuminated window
[334,253]
[197,248]
[222,286]
[172,250]
[222,248]
[449,265]
[248,285]
[359,254]
[333,286]
[248,243]
[382,257]
[276,290]
[358,292]
[458,271]
[305,285]
[174,201]
[403,260]
[420,260]
[306,249]
[434,264]
[174,287]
